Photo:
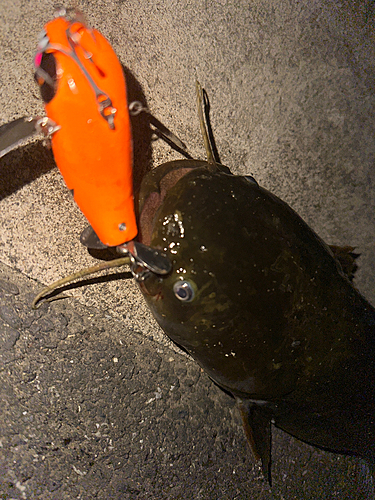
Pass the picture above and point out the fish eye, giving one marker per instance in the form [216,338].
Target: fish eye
[184,291]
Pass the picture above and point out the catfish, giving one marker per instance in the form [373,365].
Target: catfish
[261,303]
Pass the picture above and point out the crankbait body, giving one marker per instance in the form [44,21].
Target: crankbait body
[84,91]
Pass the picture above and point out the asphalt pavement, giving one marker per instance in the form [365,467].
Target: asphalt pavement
[90,409]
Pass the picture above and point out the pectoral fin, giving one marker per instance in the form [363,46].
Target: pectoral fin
[257,426]
[347,258]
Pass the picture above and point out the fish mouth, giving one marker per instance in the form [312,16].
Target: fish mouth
[155,187]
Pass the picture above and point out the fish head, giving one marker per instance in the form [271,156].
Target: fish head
[216,301]
[186,288]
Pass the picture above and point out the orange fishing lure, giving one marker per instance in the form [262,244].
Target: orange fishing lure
[84,91]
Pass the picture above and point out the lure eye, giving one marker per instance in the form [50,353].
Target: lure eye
[184,291]
[45,76]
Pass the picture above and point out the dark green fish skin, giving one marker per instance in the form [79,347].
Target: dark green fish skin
[274,319]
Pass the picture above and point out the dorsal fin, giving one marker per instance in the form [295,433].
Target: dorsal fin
[347,258]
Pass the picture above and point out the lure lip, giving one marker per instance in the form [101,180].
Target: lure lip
[12,134]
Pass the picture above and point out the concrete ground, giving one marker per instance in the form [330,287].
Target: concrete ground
[95,402]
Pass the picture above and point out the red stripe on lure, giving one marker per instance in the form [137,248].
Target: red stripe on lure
[84,91]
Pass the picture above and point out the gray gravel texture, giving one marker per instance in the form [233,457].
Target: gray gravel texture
[291,86]
[89,410]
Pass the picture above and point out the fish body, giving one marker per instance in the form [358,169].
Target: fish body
[263,305]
